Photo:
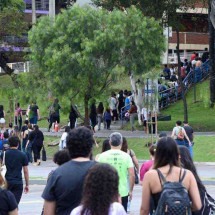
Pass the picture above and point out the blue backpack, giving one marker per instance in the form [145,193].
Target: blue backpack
[174,198]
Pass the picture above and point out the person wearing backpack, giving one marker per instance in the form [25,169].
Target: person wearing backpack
[173,189]
[179,134]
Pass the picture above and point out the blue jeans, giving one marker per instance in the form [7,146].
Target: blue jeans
[180,142]
[33,120]
[190,148]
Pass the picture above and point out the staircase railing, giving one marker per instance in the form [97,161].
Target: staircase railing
[171,95]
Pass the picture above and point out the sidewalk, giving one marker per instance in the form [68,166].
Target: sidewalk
[38,174]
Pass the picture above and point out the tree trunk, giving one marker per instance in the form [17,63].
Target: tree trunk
[86,110]
[212,60]
[8,70]
[138,95]
[180,79]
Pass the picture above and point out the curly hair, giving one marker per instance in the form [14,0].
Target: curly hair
[100,190]
[61,157]
[80,142]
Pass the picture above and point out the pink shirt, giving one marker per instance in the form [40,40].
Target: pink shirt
[145,168]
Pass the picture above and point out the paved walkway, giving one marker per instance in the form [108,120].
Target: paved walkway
[103,133]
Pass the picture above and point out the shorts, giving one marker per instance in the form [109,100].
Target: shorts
[2,121]
[144,123]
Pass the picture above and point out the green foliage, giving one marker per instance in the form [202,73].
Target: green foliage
[12,22]
[19,4]
[82,53]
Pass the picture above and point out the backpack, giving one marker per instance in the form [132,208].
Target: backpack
[174,198]
[208,203]
[180,135]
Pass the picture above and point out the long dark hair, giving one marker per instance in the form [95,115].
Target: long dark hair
[124,145]
[167,153]
[187,163]
[100,107]
[105,145]
[100,190]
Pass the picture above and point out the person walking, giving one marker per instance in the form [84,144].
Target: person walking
[23,135]
[107,118]
[133,114]
[187,162]
[100,112]
[190,133]
[33,113]
[179,134]
[2,117]
[100,194]
[73,115]
[93,116]
[167,166]
[62,144]
[124,166]
[63,191]
[8,204]
[36,139]
[18,116]
[54,115]
[16,162]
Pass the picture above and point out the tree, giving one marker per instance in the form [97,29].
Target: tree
[11,24]
[80,54]
[212,53]
[144,44]
[165,12]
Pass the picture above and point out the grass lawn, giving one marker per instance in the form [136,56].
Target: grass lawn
[204,150]
[200,116]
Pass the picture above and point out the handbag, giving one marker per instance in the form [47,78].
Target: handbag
[136,176]
[44,158]
[208,207]
[3,167]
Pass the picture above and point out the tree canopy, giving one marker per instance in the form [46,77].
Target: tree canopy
[81,53]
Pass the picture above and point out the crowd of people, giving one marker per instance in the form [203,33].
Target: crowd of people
[103,184]
[169,87]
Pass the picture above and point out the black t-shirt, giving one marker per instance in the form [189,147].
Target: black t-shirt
[24,128]
[38,136]
[14,161]
[65,185]
[189,131]
[7,202]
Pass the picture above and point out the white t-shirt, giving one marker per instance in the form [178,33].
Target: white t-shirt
[112,103]
[176,131]
[62,144]
[115,209]
[144,113]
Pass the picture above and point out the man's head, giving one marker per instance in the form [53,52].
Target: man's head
[80,142]
[162,134]
[178,123]
[14,141]
[185,122]
[116,140]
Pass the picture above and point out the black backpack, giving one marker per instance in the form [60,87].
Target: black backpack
[174,198]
